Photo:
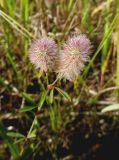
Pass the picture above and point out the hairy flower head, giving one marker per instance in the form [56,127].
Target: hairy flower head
[73,57]
[43,53]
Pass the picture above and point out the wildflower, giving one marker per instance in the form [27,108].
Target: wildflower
[73,57]
[43,53]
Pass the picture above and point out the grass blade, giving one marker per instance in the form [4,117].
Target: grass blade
[113,107]
[63,93]
[27,108]
[28,98]
[24,12]
[112,25]
[42,99]
[15,134]
[51,96]
[15,24]
[13,149]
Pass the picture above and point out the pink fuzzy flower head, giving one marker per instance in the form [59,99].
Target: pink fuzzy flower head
[43,53]
[73,57]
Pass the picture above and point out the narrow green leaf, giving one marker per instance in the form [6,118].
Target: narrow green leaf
[33,128]
[13,148]
[15,134]
[28,98]
[110,108]
[1,3]
[9,5]
[51,96]
[42,99]
[24,7]
[70,5]
[27,108]
[15,24]
[63,93]
[52,118]
[110,29]
[11,61]
[32,134]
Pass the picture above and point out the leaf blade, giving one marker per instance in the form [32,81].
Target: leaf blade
[110,108]
[42,99]
[27,108]
[12,147]
[63,93]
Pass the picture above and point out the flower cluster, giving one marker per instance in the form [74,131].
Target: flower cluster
[43,53]
[73,57]
[68,62]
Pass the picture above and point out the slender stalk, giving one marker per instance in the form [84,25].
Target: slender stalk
[117,48]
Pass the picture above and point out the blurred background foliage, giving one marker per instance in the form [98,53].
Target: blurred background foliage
[73,120]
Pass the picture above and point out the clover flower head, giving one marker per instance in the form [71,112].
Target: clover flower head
[43,53]
[73,57]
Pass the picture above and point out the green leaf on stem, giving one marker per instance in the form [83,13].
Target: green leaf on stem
[15,135]
[27,108]
[63,93]
[42,99]
[28,98]
[51,96]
